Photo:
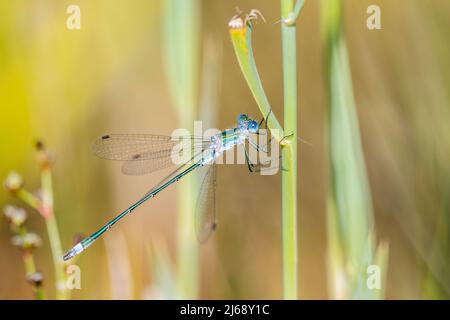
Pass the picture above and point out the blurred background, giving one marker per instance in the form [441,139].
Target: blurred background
[67,87]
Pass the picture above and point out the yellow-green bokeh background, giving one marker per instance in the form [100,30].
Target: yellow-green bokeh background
[68,87]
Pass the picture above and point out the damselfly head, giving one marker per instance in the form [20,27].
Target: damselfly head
[247,124]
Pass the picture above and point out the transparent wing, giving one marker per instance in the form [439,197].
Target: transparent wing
[145,153]
[126,147]
[205,211]
[160,161]
[139,167]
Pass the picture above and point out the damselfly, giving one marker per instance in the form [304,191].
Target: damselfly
[145,153]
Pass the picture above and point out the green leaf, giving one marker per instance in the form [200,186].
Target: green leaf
[241,37]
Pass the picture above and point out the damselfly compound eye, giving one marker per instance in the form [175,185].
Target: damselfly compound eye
[242,118]
[253,126]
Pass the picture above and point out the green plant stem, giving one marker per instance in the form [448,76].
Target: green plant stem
[29,198]
[242,43]
[241,36]
[292,17]
[30,268]
[45,209]
[182,46]
[351,232]
[289,156]
[53,233]
[55,245]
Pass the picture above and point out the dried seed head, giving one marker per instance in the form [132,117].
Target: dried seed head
[254,15]
[236,22]
[17,241]
[35,278]
[240,20]
[15,216]
[45,157]
[29,241]
[39,145]
[13,182]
